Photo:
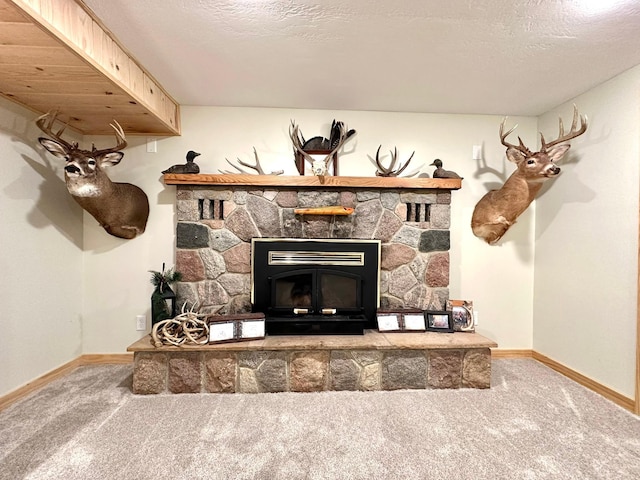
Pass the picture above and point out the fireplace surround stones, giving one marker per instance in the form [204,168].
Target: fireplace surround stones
[216,222]
[218,215]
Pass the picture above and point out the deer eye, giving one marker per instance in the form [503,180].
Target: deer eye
[530,162]
[91,162]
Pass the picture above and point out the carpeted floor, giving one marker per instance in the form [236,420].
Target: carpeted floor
[533,424]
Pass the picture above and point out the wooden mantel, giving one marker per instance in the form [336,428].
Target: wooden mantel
[312,181]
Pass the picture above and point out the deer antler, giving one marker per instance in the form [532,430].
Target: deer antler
[45,123]
[255,167]
[390,172]
[298,140]
[503,137]
[573,133]
[122,141]
[562,137]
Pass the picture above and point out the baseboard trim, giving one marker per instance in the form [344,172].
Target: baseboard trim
[510,353]
[61,371]
[606,392]
[106,359]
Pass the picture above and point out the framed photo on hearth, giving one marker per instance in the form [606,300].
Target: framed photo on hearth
[413,322]
[401,320]
[236,328]
[462,313]
[222,332]
[438,321]
[389,321]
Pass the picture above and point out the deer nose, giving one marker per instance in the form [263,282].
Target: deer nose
[72,169]
[555,170]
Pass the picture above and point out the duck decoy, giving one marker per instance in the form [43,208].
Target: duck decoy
[440,172]
[189,167]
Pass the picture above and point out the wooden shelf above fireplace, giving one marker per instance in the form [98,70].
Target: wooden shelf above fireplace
[312,181]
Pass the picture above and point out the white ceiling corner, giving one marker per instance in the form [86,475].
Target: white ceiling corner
[506,57]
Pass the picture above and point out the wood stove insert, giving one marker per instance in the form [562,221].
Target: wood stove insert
[319,286]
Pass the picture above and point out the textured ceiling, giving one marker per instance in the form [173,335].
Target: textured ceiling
[506,57]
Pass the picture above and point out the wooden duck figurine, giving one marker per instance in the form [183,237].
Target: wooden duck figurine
[189,167]
[440,172]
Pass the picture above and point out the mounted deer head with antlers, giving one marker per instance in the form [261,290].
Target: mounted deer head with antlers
[122,209]
[320,167]
[498,209]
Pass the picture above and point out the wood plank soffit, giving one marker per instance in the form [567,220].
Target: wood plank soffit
[57,55]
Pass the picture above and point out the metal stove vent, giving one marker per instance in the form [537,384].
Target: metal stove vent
[345,259]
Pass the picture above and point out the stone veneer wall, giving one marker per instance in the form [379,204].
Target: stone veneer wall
[309,371]
[216,225]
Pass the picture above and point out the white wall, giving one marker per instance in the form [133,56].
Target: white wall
[499,279]
[86,303]
[587,240]
[41,261]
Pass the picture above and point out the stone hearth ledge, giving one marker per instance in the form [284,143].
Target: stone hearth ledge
[374,361]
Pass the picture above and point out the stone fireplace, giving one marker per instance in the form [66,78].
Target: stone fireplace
[220,217]
[217,222]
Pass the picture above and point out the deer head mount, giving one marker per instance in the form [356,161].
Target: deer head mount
[304,149]
[122,209]
[498,209]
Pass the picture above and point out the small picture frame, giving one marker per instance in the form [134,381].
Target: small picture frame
[221,332]
[236,328]
[462,314]
[252,329]
[389,322]
[401,320]
[438,321]
[413,322]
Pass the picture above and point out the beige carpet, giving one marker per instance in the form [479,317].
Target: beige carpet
[533,424]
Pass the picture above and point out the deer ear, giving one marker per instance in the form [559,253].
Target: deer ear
[558,151]
[54,148]
[110,159]
[514,155]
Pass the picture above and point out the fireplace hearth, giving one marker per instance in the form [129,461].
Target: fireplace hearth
[319,286]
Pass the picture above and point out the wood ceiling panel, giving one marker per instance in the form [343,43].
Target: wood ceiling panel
[69,84]
[57,56]
[23,34]
[8,13]
[52,72]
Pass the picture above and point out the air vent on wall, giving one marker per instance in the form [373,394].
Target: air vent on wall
[210,209]
[418,212]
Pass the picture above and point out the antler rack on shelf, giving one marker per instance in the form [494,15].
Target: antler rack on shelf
[389,171]
[257,167]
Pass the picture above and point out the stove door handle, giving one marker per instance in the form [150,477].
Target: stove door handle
[328,311]
[300,311]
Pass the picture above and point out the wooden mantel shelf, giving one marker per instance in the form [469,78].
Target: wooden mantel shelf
[312,181]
